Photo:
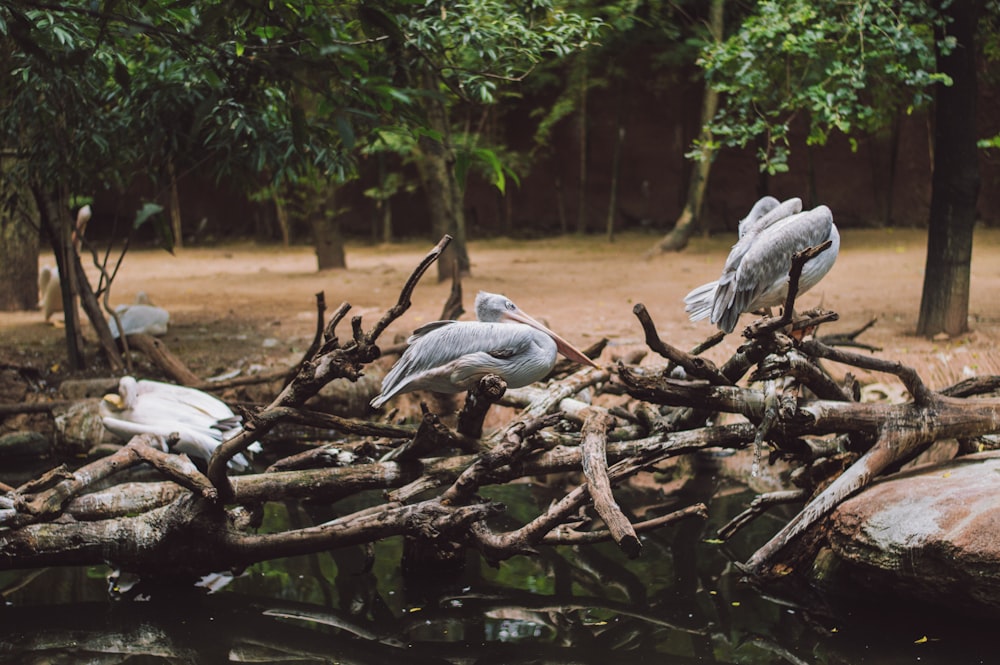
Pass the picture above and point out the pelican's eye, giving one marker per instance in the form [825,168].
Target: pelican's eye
[509,305]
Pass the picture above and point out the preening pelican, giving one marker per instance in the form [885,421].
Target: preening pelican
[140,317]
[49,291]
[452,356]
[756,272]
[202,421]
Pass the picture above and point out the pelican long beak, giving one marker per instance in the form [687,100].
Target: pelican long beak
[564,347]
[114,400]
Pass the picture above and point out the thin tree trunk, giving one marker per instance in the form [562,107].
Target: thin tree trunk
[383,206]
[616,162]
[684,227]
[944,305]
[581,196]
[281,214]
[175,206]
[890,185]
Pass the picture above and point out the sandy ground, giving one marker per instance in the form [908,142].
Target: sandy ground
[249,307]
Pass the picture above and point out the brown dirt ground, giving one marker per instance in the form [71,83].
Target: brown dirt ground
[246,306]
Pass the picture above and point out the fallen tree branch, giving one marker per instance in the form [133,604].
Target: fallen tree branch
[595,469]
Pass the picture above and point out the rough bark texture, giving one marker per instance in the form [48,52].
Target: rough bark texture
[18,247]
[326,233]
[436,166]
[944,305]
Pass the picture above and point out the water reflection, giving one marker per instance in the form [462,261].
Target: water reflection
[681,601]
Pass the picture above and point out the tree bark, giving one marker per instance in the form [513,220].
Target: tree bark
[18,247]
[56,225]
[436,167]
[944,305]
[582,122]
[616,162]
[175,206]
[677,239]
[326,233]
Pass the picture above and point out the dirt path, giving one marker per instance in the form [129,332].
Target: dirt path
[245,306]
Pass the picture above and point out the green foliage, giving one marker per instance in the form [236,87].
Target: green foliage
[477,46]
[98,94]
[841,67]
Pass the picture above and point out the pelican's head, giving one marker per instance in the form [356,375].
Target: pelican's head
[761,208]
[495,308]
[128,389]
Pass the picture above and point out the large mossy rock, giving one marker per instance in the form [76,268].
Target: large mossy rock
[932,533]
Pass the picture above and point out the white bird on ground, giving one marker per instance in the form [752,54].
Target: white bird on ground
[201,421]
[756,272]
[141,317]
[452,356]
[49,291]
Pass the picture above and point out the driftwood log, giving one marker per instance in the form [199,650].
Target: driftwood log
[430,475]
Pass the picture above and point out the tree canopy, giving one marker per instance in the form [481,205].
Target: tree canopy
[834,67]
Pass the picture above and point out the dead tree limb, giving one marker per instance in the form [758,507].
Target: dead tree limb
[760,504]
[694,366]
[487,392]
[331,361]
[595,469]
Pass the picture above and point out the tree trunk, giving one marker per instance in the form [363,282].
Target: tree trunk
[944,305]
[444,196]
[685,225]
[281,214]
[326,233]
[175,206]
[55,223]
[581,196]
[616,163]
[18,249]
[383,205]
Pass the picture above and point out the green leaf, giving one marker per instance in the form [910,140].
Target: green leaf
[150,212]
[145,213]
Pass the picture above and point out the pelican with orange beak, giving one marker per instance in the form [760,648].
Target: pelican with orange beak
[452,356]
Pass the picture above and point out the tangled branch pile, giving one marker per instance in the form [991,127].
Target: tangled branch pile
[430,474]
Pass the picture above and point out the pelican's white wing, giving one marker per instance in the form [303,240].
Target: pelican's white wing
[450,356]
[759,279]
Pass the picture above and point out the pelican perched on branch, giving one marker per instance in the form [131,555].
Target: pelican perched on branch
[201,421]
[756,272]
[452,356]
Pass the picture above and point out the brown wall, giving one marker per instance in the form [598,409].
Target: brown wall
[660,115]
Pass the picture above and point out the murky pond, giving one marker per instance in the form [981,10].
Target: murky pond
[680,601]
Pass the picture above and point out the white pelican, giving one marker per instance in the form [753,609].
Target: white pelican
[202,421]
[50,292]
[756,272]
[452,356]
[140,317]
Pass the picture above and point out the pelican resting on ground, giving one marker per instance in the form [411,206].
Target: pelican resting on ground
[49,291]
[201,421]
[141,317]
[452,356]
[756,272]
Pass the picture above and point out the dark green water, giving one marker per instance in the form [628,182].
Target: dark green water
[681,601]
